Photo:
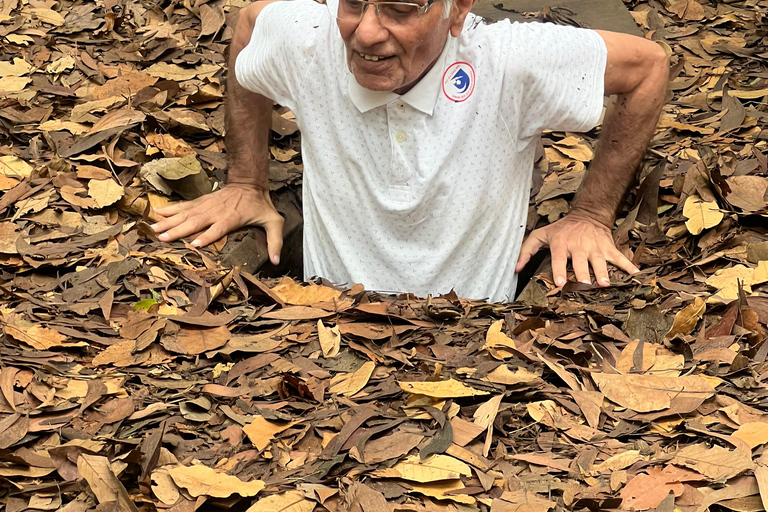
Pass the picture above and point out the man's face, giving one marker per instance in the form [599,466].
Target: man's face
[405,53]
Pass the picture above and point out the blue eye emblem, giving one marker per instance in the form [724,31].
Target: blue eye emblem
[461,81]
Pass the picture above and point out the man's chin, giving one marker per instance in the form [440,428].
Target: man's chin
[374,81]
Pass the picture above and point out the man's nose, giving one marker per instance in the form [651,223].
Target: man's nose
[370,30]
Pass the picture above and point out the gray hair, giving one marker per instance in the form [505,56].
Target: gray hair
[447,5]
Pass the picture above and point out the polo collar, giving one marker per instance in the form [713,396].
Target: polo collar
[422,96]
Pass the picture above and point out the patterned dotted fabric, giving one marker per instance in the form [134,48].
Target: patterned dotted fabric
[420,193]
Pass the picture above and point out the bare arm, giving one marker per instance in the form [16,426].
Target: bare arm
[637,71]
[639,79]
[249,115]
[245,199]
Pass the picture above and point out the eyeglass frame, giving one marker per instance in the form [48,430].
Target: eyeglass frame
[421,9]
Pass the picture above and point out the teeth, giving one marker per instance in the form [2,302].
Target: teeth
[369,57]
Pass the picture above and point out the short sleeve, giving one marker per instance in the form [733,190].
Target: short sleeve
[559,75]
[281,48]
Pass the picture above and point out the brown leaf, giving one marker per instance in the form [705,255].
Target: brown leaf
[194,340]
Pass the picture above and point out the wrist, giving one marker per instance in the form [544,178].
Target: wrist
[593,214]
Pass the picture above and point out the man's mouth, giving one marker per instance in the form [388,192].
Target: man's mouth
[373,58]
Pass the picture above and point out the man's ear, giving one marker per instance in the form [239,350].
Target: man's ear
[459,11]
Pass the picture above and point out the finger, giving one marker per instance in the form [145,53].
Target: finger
[600,268]
[210,235]
[191,225]
[581,267]
[559,264]
[274,230]
[531,246]
[619,260]
[173,209]
[162,227]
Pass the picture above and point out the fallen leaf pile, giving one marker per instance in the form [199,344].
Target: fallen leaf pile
[137,375]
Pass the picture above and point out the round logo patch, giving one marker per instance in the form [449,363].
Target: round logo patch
[459,81]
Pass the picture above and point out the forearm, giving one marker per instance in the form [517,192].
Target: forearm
[628,127]
[248,121]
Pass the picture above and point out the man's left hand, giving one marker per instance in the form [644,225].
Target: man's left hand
[586,241]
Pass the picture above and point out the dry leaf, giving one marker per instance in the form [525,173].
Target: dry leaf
[330,339]
[14,167]
[701,214]
[442,389]
[291,501]
[348,384]
[204,481]
[431,469]
[105,192]
[261,431]
[686,319]
[716,463]
[293,293]
[647,393]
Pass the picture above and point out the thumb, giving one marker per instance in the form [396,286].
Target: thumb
[274,229]
[531,246]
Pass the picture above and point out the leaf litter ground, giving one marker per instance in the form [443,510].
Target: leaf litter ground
[137,375]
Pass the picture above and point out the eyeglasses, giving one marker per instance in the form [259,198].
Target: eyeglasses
[389,13]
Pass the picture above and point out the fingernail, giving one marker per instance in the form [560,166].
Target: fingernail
[560,281]
[585,281]
[635,270]
[154,227]
[605,281]
[275,260]
[195,243]
[164,236]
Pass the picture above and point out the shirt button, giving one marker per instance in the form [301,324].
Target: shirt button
[401,137]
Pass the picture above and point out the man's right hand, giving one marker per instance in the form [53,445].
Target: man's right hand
[221,212]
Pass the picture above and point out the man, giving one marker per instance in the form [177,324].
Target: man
[419,124]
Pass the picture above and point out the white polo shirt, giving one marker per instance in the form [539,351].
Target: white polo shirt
[428,191]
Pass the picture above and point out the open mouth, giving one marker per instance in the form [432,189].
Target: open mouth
[373,58]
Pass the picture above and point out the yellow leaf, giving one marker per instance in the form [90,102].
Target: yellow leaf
[261,431]
[438,491]
[443,389]
[727,281]
[60,65]
[754,434]
[205,481]
[761,273]
[18,68]
[701,214]
[14,167]
[687,318]
[164,488]
[431,469]
[348,384]
[58,125]
[37,337]
[504,375]
[496,341]
[13,83]
[291,501]
[48,16]
[330,339]
[105,192]
[296,294]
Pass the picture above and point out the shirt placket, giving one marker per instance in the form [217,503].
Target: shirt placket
[401,140]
